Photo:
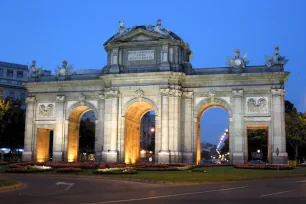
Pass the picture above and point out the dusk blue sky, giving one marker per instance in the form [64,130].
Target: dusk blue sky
[51,31]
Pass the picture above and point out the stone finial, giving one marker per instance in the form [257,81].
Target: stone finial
[158,22]
[121,24]
[33,63]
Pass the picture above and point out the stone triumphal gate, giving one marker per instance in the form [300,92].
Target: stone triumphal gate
[148,68]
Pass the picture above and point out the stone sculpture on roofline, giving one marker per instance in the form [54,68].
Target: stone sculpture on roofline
[35,72]
[64,72]
[276,58]
[237,62]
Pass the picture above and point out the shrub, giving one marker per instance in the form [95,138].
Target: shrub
[263,166]
[3,163]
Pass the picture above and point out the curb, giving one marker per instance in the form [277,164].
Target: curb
[12,187]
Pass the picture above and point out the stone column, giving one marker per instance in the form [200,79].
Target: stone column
[110,152]
[174,125]
[27,155]
[163,155]
[58,138]
[186,123]
[279,154]
[99,129]
[237,133]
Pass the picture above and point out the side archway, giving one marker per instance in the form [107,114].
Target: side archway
[74,114]
[200,108]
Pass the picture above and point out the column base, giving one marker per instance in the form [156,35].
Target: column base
[187,157]
[282,158]
[110,156]
[175,157]
[98,156]
[57,156]
[27,156]
[237,158]
[164,157]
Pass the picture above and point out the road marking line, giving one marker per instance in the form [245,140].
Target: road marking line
[299,181]
[271,194]
[167,196]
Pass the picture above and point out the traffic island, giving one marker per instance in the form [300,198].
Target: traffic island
[6,185]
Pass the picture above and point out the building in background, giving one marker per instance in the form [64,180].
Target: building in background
[11,78]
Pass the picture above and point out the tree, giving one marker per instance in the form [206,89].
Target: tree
[295,130]
[12,124]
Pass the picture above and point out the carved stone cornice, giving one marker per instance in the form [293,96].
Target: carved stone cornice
[278,92]
[60,98]
[31,99]
[187,95]
[110,93]
[237,92]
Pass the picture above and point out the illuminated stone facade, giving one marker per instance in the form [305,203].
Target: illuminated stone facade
[148,68]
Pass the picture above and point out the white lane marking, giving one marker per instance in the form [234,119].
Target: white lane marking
[69,185]
[271,194]
[167,196]
[299,181]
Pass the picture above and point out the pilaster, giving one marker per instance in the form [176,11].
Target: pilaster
[238,137]
[29,143]
[186,124]
[279,154]
[58,138]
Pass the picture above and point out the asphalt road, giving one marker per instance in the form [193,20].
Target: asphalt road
[98,191]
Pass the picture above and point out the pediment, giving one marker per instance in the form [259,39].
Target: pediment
[139,35]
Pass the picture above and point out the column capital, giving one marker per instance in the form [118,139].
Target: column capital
[237,92]
[164,92]
[109,93]
[60,98]
[31,99]
[278,92]
[187,95]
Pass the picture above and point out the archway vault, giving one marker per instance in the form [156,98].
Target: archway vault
[133,115]
[73,131]
[203,106]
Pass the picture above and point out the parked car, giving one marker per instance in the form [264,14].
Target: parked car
[256,162]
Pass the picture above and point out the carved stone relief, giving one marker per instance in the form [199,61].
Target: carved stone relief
[256,104]
[46,109]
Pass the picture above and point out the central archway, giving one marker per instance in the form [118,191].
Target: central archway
[133,116]
[203,106]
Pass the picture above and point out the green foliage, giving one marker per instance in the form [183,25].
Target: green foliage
[12,124]
[295,130]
